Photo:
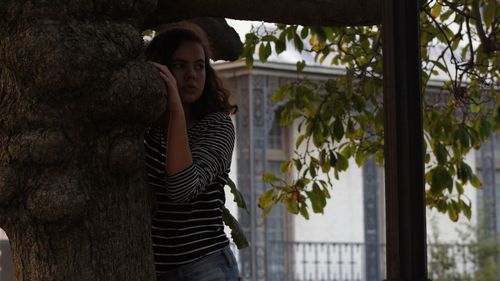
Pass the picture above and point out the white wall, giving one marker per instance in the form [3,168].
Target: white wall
[440,223]
[342,220]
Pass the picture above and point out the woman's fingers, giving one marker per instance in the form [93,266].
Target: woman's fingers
[164,77]
[162,68]
[165,74]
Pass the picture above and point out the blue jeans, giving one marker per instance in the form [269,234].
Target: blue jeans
[219,266]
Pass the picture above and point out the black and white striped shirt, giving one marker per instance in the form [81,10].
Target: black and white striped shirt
[188,222]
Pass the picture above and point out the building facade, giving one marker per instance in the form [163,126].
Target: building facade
[347,241]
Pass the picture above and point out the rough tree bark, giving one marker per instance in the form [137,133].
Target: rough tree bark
[75,97]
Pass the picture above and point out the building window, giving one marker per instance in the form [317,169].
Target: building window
[276,225]
[486,173]
[277,139]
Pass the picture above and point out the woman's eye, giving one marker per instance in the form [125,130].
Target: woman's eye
[199,66]
[177,65]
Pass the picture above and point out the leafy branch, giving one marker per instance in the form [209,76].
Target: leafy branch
[343,116]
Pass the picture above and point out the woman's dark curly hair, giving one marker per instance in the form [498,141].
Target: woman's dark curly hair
[215,97]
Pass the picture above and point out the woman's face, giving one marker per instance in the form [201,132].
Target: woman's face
[188,68]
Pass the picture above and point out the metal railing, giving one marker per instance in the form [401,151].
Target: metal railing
[451,261]
[321,261]
[333,261]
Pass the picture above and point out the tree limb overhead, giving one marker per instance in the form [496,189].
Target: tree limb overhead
[307,12]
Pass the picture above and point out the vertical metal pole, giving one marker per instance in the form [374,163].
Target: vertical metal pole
[488,178]
[371,220]
[404,165]
[253,199]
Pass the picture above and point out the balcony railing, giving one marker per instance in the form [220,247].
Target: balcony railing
[322,261]
[331,261]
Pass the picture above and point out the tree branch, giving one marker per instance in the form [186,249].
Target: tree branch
[488,47]
[305,12]
[454,7]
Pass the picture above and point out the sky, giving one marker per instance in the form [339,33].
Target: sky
[241,26]
[291,56]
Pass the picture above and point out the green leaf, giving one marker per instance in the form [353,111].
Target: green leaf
[249,61]
[279,95]
[267,210]
[439,65]
[270,178]
[304,32]
[441,205]
[452,212]
[266,199]
[347,151]
[268,38]
[331,86]
[342,164]
[444,16]
[427,158]
[326,193]
[459,187]
[262,53]
[280,44]
[237,233]
[338,129]
[441,180]
[360,158]
[298,164]
[268,50]
[463,136]
[313,170]
[302,182]
[238,197]
[303,211]
[490,11]
[325,162]
[286,166]
[441,153]
[333,158]
[475,181]
[291,204]
[300,65]
[436,10]
[317,198]
[485,128]
[297,41]
[466,209]
[475,108]
[455,43]
[464,172]
[318,138]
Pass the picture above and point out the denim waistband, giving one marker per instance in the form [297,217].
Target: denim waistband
[224,253]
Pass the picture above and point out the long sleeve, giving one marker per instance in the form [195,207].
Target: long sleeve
[211,148]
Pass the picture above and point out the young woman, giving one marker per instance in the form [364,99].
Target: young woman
[188,155]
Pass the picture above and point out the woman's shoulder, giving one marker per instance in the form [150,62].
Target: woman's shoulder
[219,117]
[213,121]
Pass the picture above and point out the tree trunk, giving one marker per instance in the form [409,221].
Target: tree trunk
[307,12]
[75,97]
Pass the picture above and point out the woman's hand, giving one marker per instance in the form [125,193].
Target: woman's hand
[180,157]
[174,100]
